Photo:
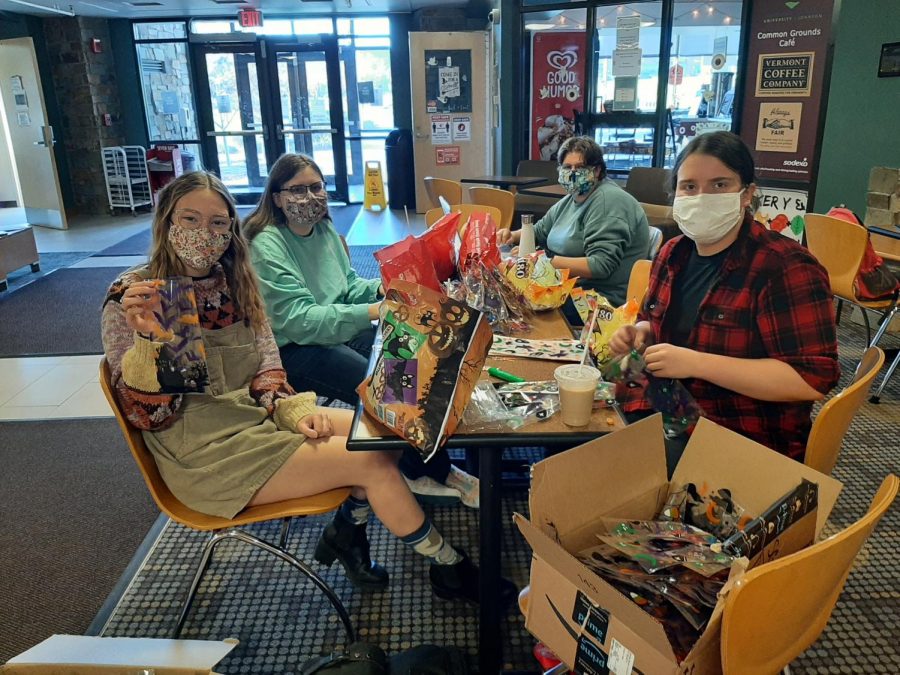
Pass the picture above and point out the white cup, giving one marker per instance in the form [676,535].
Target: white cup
[577,385]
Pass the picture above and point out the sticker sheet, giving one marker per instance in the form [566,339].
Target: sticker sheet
[550,350]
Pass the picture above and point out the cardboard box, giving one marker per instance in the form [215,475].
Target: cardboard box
[85,655]
[587,623]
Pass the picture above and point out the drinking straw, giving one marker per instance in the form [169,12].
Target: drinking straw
[587,336]
[406,211]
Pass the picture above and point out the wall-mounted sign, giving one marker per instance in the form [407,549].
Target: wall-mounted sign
[625,93]
[366,92]
[784,74]
[626,62]
[628,31]
[448,80]
[779,127]
[462,129]
[170,103]
[557,91]
[441,133]
[250,18]
[782,210]
[784,87]
[449,154]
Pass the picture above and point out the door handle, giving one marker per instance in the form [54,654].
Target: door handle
[282,130]
[48,140]
[242,132]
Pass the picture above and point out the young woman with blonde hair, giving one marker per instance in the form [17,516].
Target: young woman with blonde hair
[248,438]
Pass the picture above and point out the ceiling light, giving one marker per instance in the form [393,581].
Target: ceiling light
[696,13]
[727,19]
[105,9]
[55,9]
[539,26]
[709,9]
[646,23]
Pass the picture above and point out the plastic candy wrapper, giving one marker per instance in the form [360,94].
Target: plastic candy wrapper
[181,364]
[432,351]
[425,260]
[487,410]
[484,288]
[543,286]
[667,396]
[479,243]
[655,553]
[608,322]
[712,511]
[606,391]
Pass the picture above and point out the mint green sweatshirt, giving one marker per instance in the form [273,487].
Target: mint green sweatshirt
[312,295]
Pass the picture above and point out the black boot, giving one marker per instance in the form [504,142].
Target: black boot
[347,543]
[460,582]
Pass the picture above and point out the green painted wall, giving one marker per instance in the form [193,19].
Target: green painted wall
[862,127]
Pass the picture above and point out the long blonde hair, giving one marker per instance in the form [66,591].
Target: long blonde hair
[164,262]
[266,213]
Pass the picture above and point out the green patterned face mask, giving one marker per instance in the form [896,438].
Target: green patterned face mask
[577,182]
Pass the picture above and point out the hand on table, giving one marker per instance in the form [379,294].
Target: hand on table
[317,425]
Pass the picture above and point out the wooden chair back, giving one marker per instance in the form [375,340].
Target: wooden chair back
[177,511]
[450,190]
[777,610]
[833,420]
[639,281]
[502,199]
[839,246]
[434,215]
[649,184]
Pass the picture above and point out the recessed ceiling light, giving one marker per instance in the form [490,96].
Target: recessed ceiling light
[539,26]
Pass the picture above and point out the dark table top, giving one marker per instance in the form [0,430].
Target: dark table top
[557,191]
[506,181]
[892,232]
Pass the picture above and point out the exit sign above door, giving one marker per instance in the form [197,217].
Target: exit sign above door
[250,18]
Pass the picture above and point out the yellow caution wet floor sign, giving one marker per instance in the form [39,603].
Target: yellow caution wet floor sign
[374,187]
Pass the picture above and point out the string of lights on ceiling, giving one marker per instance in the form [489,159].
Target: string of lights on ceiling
[705,10]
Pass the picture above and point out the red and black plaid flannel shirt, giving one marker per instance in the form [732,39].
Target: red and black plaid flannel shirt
[771,300]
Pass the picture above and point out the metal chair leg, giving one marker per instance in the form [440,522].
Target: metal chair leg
[559,669]
[885,322]
[285,531]
[876,397]
[247,538]
[205,558]
[865,315]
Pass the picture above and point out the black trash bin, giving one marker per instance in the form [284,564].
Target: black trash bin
[398,152]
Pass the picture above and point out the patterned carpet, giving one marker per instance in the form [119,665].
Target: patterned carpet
[281,621]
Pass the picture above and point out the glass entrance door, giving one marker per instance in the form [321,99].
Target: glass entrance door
[233,117]
[258,100]
[307,106]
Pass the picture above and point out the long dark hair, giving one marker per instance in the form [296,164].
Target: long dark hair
[266,212]
[164,262]
[725,146]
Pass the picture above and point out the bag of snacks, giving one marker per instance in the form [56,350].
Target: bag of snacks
[543,286]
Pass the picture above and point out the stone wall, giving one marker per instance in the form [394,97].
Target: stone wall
[883,197]
[86,88]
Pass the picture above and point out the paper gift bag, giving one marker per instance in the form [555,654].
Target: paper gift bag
[432,351]
[427,259]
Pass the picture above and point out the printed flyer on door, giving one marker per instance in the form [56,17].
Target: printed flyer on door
[557,91]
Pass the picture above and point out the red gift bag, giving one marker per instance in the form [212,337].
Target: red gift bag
[479,243]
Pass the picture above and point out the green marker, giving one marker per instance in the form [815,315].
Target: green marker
[503,375]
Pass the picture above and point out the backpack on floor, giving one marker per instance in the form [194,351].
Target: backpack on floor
[361,658]
[874,280]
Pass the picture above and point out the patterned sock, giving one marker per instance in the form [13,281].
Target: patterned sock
[355,510]
[427,541]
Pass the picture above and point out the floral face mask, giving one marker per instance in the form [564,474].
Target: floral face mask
[304,212]
[199,247]
[577,181]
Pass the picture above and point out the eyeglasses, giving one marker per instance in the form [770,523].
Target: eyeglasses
[192,220]
[301,190]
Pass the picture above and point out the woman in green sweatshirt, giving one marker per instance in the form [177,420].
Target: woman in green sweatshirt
[321,310]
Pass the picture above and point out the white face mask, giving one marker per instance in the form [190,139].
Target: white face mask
[707,218]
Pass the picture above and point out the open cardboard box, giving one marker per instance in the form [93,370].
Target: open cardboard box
[587,623]
[86,655]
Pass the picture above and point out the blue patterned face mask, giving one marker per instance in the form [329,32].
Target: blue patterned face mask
[577,182]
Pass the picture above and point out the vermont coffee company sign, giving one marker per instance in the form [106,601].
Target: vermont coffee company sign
[783,94]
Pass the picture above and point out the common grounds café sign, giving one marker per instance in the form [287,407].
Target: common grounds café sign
[783,93]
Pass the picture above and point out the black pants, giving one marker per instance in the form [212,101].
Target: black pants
[674,446]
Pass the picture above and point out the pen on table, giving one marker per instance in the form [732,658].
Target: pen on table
[503,375]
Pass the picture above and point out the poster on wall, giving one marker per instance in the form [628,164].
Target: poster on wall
[449,154]
[784,88]
[782,210]
[448,80]
[462,129]
[440,130]
[557,91]
[779,127]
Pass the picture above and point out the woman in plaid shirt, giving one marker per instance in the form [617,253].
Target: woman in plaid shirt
[742,315]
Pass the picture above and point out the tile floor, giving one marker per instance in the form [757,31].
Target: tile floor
[56,387]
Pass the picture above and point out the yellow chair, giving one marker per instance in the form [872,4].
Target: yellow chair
[639,281]
[434,215]
[839,246]
[834,418]
[227,528]
[502,199]
[450,190]
[777,610]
